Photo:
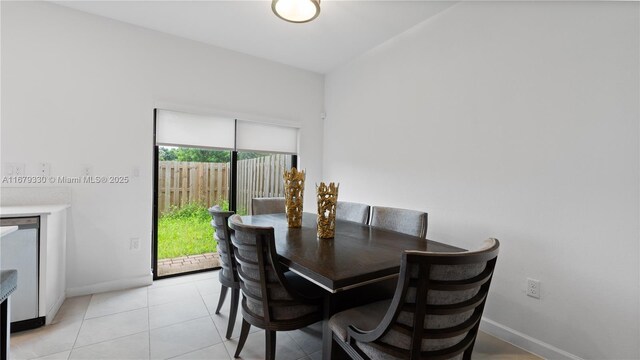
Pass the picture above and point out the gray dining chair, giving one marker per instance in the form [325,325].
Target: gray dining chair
[406,221]
[272,299]
[434,314]
[264,205]
[228,274]
[350,211]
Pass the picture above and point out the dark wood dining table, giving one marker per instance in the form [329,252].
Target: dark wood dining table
[359,265]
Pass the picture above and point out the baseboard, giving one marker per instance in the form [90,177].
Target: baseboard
[51,314]
[525,342]
[111,286]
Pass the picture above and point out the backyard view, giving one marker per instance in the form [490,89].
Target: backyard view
[190,181]
[185,231]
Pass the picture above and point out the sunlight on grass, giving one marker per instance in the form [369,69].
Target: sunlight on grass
[185,231]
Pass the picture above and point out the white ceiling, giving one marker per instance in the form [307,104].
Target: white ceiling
[343,30]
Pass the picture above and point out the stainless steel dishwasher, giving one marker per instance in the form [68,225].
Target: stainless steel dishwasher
[20,251]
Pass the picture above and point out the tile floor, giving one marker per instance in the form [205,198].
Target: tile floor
[174,319]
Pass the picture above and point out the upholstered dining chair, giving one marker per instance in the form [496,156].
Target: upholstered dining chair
[434,314]
[352,212]
[271,299]
[261,206]
[228,274]
[410,222]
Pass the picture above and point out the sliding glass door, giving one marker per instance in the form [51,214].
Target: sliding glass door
[202,161]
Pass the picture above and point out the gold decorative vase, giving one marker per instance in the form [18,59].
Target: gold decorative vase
[293,196]
[327,201]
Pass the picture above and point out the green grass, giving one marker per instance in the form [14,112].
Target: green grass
[185,231]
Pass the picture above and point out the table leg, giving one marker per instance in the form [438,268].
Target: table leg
[328,347]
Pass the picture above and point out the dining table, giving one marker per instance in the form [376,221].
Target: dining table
[360,264]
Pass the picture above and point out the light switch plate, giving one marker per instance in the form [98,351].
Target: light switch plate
[44,169]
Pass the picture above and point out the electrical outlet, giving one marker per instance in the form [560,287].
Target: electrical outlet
[134,244]
[533,288]
[13,169]
[18,169]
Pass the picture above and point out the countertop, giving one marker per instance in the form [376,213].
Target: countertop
[8,283]
[29,210]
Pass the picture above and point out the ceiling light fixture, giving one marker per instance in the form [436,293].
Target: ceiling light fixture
[296,11]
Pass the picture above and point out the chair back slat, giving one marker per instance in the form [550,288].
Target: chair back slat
[220,222]
[454,330]
[457,308]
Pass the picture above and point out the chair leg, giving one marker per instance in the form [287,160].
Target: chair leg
[235,299]
[270,344]
[467,353]
[223,294]
[244,333]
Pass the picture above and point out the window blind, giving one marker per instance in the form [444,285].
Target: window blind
[175,128]
[253,136]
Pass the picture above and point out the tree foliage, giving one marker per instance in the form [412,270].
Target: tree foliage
[202,155]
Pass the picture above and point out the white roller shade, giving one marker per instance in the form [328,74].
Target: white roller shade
[253,136]
[179,128]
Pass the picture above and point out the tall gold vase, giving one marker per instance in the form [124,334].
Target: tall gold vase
[293,196]
[327,202]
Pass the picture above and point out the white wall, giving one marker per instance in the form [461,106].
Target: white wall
[79,89]
[517,121]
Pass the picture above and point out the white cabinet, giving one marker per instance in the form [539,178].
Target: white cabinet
[52,253]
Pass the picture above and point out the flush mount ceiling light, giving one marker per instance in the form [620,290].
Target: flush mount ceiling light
[296,11]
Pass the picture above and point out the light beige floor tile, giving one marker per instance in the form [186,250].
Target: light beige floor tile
[171,282]
[211,301]
[46,340]
[222,320]
[113,326]
[209,286]
[179,339]
[215,352]
[173,293]
[309,339]
[213,274]
[73,307]
[254,348]
[129,347]
[176,312]
[316,355]
[490,347]
[114,302]
[64,355]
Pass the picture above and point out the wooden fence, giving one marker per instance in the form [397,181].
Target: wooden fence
[260,177]
[181,183]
